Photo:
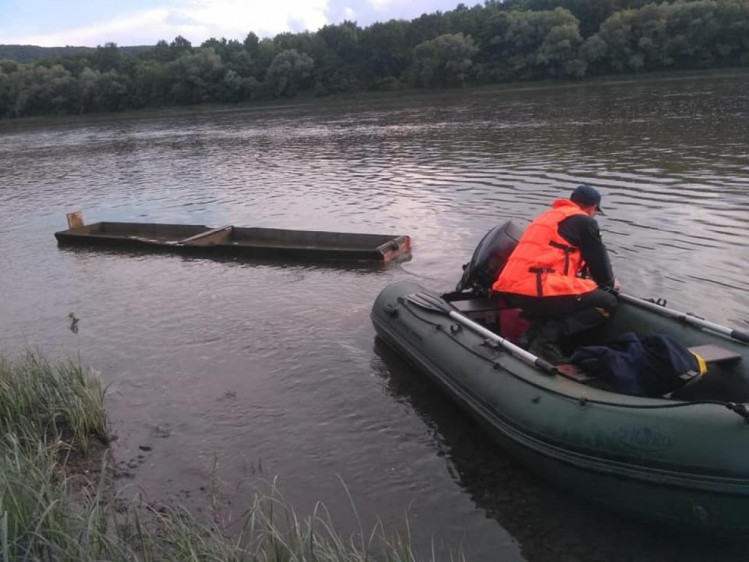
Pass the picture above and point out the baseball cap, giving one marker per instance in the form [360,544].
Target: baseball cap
[586,196]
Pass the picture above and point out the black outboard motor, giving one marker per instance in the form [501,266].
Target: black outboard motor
[489,258]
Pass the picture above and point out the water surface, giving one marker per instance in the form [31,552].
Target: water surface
[273,370]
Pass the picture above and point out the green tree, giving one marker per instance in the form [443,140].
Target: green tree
[287,72]
[87,89]
[112,91]
[251,43]
[236,88]
[4,93]
[536,44]
[443,61]
[342,39]
[427,27]
[691,34]
[732,41]
[151,84]
[196,77]
[40,90]
[590,13]
[266,52]
[386,52]
[593,54]
[107,57]
[339,61]
[494,42]
[161,52]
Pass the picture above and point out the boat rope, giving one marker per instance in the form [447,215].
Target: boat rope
[737,408]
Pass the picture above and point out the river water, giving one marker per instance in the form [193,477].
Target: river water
[272,370]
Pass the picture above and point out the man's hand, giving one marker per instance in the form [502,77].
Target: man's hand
[617,285]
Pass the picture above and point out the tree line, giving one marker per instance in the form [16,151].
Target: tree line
[495,42]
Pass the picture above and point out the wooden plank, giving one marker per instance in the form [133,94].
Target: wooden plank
[75,219]
[395,249]
[476,305]
[206,234]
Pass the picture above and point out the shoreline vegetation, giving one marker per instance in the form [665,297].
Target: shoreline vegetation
[384,97]
[514,43]
[58,500]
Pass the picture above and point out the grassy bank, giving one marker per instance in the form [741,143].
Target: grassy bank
[57,500]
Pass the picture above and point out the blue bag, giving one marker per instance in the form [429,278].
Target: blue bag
[652,366]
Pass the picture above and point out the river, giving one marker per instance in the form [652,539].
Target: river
[272,371]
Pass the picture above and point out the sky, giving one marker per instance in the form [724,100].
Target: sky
[88,23]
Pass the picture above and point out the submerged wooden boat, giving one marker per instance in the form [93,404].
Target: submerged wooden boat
[683,460]
[264,243]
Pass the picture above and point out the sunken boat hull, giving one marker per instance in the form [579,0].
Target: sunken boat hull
[254,243]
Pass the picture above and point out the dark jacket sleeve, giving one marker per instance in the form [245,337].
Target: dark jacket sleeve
[582,232]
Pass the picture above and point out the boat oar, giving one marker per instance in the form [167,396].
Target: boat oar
[685,318]
[437,304]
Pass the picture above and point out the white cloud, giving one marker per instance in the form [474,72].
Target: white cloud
[197,21]
[381,4]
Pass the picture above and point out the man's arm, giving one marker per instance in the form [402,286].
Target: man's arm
[582,231]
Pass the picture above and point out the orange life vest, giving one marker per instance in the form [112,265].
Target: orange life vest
[544,264]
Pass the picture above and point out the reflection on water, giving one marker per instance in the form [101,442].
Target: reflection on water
[270,367]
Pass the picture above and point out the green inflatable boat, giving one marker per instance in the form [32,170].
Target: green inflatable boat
[682,458]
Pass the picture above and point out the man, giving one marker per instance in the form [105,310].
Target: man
[560,273]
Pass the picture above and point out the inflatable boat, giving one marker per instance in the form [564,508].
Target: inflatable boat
[680,458]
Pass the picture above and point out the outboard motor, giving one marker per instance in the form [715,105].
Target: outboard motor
[489,258]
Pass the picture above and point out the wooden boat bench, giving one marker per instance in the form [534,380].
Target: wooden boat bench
[478,305]
[480,309]
[712,353]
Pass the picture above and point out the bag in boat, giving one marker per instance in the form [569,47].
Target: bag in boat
[489,258]
[652,366]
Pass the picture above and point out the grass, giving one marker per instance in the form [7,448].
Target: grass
[41,402]
[50,414]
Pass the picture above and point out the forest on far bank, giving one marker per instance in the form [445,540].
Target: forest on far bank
[497,42]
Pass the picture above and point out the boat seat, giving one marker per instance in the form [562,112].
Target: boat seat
[475,305]
[712,353]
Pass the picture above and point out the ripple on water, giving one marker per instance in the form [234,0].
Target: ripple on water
[273,367]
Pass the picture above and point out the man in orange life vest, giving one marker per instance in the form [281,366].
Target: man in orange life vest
[544,275]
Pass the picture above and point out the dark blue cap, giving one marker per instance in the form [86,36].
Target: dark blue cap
[585,196]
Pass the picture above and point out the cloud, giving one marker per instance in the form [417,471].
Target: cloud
[137,29]
[197,21]
[380,4]
[144,22]
[367,12]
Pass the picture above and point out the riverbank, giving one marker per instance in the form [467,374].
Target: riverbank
[308,100]
[58,500]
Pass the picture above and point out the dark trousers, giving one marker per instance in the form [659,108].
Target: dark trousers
[570,313]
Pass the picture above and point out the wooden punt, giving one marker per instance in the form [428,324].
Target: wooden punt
[264,243]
